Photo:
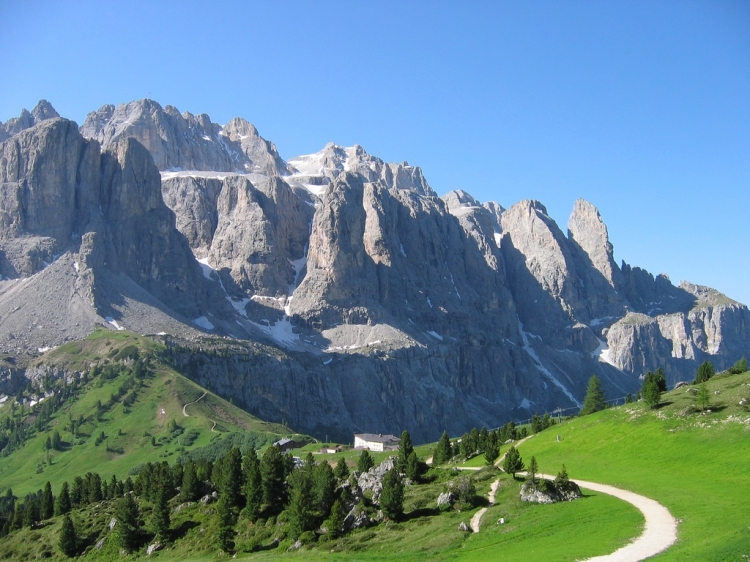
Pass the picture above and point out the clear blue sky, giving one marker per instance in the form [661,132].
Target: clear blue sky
[641,107]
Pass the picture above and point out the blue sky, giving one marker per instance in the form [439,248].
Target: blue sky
[642,108]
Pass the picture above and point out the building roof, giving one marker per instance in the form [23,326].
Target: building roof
[377,437]
[282,442]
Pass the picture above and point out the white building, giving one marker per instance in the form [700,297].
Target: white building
[376,441]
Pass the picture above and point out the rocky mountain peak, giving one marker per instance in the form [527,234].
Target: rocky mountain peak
[587,230]
[26,120]
[314,170]
[183,141]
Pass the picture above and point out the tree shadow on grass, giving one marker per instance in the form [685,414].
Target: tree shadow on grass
[184,528]
[420,512]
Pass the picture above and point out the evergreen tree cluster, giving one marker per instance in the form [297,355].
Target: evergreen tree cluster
[653,385]
[477,442]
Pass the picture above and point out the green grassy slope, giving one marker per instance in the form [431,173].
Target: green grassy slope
[696,464]
[128,431]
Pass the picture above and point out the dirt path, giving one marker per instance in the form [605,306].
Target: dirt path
[184,410]
[477,519]
[659,533]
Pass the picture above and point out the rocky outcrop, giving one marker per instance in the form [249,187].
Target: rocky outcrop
[546,491]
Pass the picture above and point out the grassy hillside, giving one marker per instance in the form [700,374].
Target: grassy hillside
[152,428]
[694,463]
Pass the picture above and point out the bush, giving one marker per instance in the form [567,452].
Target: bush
[705,372]
[308,537]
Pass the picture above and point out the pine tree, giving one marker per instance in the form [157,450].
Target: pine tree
[62,503]
[651,393]
[126,530]
[302,499]
[490,453]
[533,469]
[392,495]
[739,367]
[705,372]
[160,514]
[341,471]
[47,507]
[412,467]
[443,451]
[405,448]
[273,474]
[225,535]
[190,487]
[703,397]
[324,488]
[512,462]
[594,400]
[335,522]
[562,481]
[365,462]
[31,513]
[231,486]
[253,485]
[68,542]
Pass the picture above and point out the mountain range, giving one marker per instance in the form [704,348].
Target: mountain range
[333,291]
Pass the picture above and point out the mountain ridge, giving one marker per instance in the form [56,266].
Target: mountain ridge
[357,272]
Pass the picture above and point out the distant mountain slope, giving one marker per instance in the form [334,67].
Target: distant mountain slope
[116,384]
[388,307]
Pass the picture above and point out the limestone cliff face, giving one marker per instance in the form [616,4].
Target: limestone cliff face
[378,253]
[185,141]
[72,216]
[379,305]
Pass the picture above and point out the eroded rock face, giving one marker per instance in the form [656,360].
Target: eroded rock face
[402,309]
[185,141]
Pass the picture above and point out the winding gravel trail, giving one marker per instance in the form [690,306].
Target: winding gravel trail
[184,408]
[659,533]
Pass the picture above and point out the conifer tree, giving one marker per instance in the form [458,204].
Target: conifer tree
[190,487]
[301,502]
[533,469]
[412,467]
[47,507]
[365,462]
[126,530]
[341,471]
[253,485]
[703,397]
[225,535]
[18,514]
[490,453]
[443,451]
[651,393]
[231,486]
[405,448]
[31,513]
[392,495]
[324,488]
[62,503]
[512,462]
[77,495]
[160,515]
[335,522]
[273,473]
[705,372]
[68,541]
[562,481]
[594,400]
